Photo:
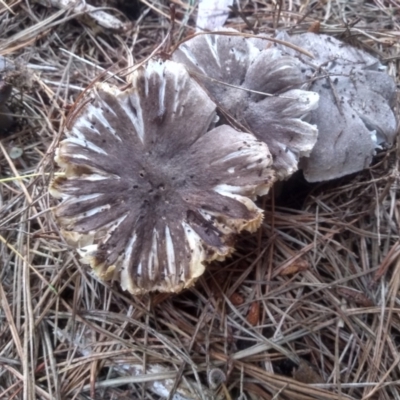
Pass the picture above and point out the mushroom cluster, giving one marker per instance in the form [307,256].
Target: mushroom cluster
[249,78]
[256,88]
[151,188]
[160,176]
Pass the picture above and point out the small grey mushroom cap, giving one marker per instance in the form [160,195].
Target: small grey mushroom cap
[242,76]
[355,115]
[149,189]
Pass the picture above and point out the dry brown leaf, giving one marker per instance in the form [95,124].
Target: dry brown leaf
[294,268]
[254,313]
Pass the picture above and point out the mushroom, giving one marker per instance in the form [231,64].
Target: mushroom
[355,115]
[150,192]
[255,87]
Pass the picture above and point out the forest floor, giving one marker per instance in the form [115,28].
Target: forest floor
[307,308]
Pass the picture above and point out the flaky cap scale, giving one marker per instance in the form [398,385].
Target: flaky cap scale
[154,192]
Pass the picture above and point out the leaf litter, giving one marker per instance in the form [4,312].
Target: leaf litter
[307,307]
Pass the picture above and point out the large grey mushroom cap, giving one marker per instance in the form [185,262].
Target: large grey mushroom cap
[254,87]
[149,192]
[355,115]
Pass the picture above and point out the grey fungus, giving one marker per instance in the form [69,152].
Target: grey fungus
[155,186]
[151,190]
[326,115]
[253,85]
[355,114]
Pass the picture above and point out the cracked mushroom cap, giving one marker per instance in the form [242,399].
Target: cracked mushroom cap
[254,86]
[355,114]
[149,192]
